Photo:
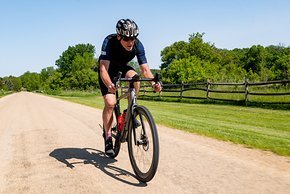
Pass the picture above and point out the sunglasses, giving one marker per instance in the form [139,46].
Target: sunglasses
[126,39]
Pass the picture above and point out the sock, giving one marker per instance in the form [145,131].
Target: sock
[108,135]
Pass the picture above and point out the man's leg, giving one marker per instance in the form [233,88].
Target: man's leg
[131,73]
[110,101]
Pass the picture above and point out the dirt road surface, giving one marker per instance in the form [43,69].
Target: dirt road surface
[49,145]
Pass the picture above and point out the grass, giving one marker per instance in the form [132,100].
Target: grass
[254,127]
[4,93]
[260,128]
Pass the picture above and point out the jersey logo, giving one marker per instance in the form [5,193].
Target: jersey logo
[103,53]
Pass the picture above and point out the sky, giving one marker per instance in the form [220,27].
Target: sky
[35,33]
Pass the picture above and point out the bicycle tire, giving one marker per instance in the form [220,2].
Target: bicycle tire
[147,124]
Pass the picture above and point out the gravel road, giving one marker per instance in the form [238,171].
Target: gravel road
[49,145]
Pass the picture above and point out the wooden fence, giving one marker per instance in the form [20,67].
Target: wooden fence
[210,88]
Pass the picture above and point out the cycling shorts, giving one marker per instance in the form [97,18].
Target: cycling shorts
[124,69]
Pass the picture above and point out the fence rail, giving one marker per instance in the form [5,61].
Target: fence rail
[210,88]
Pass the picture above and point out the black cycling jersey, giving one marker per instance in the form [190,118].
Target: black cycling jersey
[119,57]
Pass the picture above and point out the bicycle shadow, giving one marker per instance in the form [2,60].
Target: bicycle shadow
[96,158]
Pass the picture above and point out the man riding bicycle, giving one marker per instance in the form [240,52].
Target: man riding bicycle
[117,51]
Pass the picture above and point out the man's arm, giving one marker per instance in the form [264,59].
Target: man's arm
[145,70]
[104,67]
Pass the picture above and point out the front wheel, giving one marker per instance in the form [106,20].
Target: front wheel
[143,144]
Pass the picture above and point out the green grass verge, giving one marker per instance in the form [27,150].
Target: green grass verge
[265,129]
[4,93]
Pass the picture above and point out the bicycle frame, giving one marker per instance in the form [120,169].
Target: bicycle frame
[131,94]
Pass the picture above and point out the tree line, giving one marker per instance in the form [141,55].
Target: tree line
[182,62]
[196,60]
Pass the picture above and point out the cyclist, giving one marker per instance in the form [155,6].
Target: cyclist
[117,51]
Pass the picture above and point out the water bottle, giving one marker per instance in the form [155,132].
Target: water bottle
[121,121]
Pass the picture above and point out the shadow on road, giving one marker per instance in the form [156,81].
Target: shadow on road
[96,158]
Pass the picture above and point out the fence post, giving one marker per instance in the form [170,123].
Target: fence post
[144,86]
[246,91]
[207,88]
[181,90]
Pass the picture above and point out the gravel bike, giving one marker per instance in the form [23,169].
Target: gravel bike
[136,126]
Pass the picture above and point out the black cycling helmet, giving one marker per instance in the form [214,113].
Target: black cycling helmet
[127,28]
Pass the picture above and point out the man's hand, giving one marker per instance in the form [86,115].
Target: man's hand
[112,88]
[157,87]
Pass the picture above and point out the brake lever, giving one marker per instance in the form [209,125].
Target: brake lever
[117,78]
[157,79]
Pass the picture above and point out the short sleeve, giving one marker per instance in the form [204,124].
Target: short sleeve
[105,52]
[140,54]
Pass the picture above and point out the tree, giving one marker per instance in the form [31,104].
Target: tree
[231,72]
[77,67]
[202,50]
[10,83]
[16,82]
[72,60]
[255,59]
[31,81]
[175,51]
[194,47]
[282,67]
[55,82]
[46,73]
[189,70]
[194,60]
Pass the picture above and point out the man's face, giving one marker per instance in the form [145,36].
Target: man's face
[127,43]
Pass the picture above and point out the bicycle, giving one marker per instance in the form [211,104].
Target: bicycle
[138,129]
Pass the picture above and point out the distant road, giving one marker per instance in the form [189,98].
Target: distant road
[49,145]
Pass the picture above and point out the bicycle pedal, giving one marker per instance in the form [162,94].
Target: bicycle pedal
[114,128]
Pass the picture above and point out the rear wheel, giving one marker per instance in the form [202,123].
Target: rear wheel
[143,144]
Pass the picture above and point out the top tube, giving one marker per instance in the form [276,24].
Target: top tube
[135,78]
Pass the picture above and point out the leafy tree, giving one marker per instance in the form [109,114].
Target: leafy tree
[190,69]
[273,53]
[1,83]
[77,66]
[10,83]
[194,47]
[231,72]
[255,59]
[17,84]
[31,81]
[46,73]
[55,81]
[282,67]
[194,60]
[175,51]
[202,50]
[70,60]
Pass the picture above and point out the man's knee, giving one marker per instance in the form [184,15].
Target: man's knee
[110,101]
[130,73]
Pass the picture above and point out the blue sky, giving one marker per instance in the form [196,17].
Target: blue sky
[34,33]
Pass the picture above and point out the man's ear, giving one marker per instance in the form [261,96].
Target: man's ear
[118,37]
